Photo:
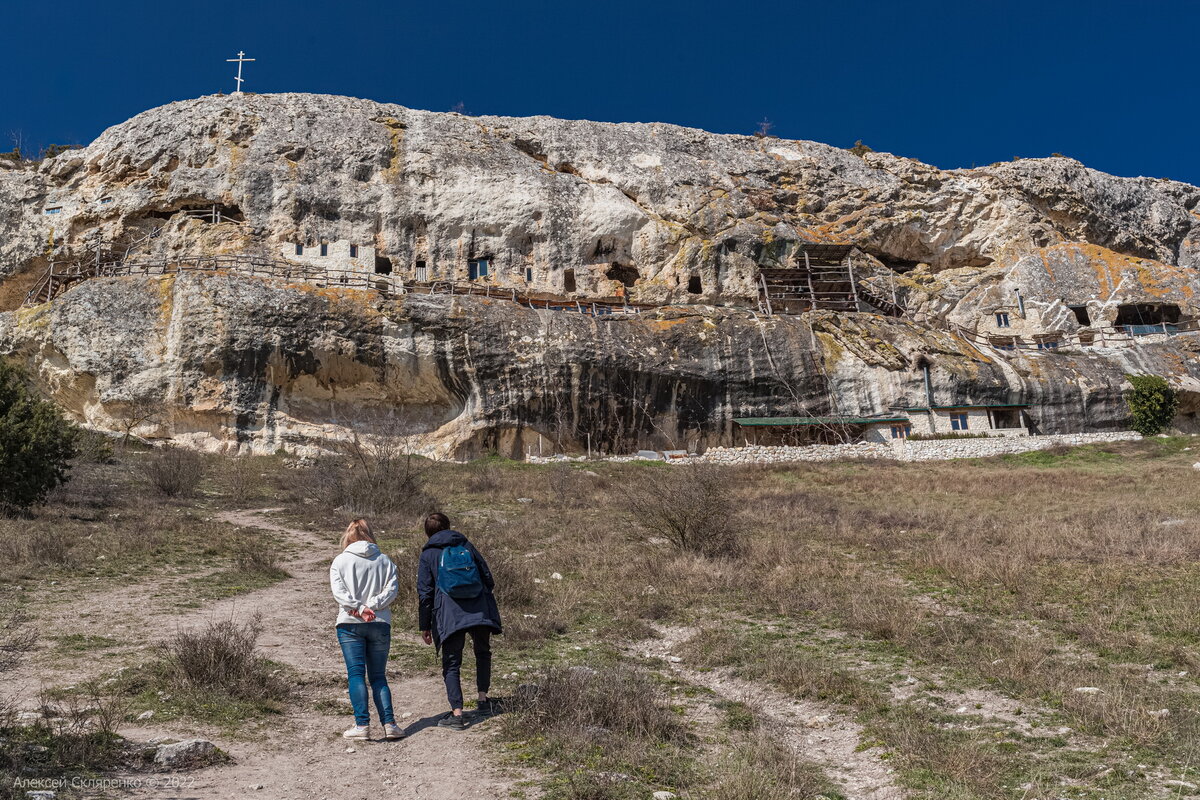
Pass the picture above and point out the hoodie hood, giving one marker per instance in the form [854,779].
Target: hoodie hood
[443,539]
[364,549]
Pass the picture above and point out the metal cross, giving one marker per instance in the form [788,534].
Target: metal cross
[241,59]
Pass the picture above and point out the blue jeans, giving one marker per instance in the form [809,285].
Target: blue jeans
[365,647]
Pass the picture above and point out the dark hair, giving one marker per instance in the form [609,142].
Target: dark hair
[437,521]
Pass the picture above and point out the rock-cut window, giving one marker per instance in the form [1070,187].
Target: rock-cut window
[299,249]
[354,251]
[1002,320]
[324,249]
[54,210]
[478,268]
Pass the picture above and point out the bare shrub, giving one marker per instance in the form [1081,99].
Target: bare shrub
[173,471]
[15,638]
[692,506]
[221,656]
[244,478]
[379,473]
[763,768]
[256,556]
[619,702]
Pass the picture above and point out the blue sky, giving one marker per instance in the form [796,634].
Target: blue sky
[1113,84]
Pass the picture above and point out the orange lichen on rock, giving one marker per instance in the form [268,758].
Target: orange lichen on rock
[1115,271]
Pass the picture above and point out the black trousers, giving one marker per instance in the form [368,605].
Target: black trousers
[452,655]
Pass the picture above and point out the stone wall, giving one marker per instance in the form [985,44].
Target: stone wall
[907,450]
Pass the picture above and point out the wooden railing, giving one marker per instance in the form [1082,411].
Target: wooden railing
[59,277]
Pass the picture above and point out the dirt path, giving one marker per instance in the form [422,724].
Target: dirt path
[816,732]
[303,754]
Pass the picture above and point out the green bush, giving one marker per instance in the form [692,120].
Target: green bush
[1152,403]
[36,444]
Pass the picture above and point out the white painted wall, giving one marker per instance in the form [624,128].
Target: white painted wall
[338,258]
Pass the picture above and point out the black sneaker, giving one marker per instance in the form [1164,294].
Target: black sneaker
[485,708]
[452,722]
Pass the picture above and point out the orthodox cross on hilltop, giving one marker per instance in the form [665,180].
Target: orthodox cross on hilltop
[241,59]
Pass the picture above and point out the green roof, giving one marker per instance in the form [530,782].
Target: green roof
[751,422]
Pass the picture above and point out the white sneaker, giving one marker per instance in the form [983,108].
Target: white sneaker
[358,732]
[391,731]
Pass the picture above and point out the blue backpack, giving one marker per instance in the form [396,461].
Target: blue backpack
[458,574]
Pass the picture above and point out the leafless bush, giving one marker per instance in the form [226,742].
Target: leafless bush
[221,656]
[762,768]
[692,506]
[584,702]
[379,473]
[173,471]
[243,477]
[15,638]
[256,556]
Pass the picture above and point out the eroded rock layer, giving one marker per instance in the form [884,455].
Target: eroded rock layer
[1041,250]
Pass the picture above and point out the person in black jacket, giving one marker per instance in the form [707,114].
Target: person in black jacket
[446,621]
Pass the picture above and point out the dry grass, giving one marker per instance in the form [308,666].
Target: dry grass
[1027,576]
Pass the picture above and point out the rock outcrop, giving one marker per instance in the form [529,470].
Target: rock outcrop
[661,215]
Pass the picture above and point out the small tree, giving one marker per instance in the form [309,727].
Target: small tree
[36,444]
[1152,403]
[861,149]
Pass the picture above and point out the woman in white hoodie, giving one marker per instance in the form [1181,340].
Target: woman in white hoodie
[365,583]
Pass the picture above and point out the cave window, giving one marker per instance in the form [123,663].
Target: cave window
[1081,315]
[299,249]
[324,249]
[694,285]
[627,275]
[54,210]
[354,251]
[569,281]
[383,265]
[422,272]
[478,268]
[1002,320]
[529,274]
[105,201]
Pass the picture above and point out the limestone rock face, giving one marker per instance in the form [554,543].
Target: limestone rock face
[239,363]
[560,202]
[662,215]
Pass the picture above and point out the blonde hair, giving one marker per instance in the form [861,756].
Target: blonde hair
[357,531]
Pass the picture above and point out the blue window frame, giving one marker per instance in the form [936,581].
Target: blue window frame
[105,201]
[324,249]
[299,249]
[354,251]
[54,210]
[1048,344]
[478,268]
[958,422]
[529,274]
[901,431]
[1002,320]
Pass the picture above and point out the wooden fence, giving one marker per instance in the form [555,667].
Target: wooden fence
[59,277]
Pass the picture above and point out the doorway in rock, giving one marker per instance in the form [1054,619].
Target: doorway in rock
[569,281]
[383,265]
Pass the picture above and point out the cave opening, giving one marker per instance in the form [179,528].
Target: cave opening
[694,285]
[383,265]
[569,281]
[627,274]
[1146,317]
[1081,315]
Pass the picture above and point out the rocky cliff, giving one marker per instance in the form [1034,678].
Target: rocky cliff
[657,214]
